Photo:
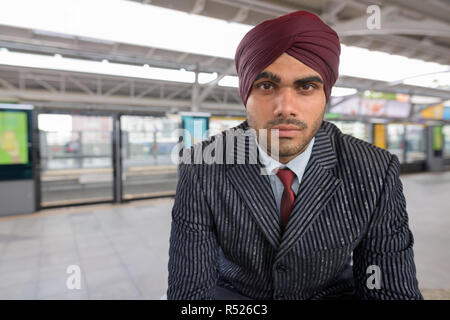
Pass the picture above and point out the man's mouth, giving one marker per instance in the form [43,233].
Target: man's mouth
[287,130]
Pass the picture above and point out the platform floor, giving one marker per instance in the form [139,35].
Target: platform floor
[122,250]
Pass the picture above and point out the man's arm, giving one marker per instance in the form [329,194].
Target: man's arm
[193,246]
[388,245]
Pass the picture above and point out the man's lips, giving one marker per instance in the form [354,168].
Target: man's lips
[287,130]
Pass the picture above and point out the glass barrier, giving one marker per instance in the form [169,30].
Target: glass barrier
[356,129]
[446,131]
[219,124]
[415,143]
[75,159]
[395,140]
[147,166]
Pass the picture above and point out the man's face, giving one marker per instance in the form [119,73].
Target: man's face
[288,96]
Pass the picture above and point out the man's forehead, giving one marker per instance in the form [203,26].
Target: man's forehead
[294,67]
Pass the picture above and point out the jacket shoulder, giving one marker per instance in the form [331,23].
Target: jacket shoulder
[359,152]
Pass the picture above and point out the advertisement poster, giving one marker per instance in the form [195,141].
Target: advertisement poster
[433,112]
[196,127]
[380,135]
[373,104]
[438,141]
[13,138]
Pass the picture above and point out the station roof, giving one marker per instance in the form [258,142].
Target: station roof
[414,29]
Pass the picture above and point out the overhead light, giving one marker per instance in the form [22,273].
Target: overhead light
[96,40]
[95,67]
[204,77]
[229,81]
[53,34]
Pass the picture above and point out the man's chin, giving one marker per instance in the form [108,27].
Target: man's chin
[291,147]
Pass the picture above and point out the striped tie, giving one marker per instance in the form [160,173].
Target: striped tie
[287,200]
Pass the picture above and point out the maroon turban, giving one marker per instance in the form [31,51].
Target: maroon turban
[300,34]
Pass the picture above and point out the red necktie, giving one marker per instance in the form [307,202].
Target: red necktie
[287,200]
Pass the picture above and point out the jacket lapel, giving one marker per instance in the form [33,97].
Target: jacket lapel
[255,190]
[317,187]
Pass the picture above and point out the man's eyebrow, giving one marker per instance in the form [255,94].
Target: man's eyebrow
[277,79]
[302,81]
[268,75]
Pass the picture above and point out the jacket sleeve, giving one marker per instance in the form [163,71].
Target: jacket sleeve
[193,247]
[387,248]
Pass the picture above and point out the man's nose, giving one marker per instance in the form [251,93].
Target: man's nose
[286,103]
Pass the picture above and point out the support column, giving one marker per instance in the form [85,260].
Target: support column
[117,159]
[195,92]
[435,146]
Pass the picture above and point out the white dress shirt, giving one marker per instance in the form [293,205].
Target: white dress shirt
[297,165]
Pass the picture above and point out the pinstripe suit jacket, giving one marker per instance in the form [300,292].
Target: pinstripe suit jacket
[349,214]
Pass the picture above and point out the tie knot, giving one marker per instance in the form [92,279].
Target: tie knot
[286,176]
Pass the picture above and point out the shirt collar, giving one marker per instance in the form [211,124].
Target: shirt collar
[297,165]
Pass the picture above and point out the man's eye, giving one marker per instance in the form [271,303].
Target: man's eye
[308,86]
[265,85]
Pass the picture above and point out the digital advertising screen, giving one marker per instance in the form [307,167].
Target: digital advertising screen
[373,105]
[13,138]
[195,127]
[15,142]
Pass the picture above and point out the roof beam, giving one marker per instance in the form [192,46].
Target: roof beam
[212,84]
[199,6]
[332,9]
[117,87]
[240,15]
[80,85]
[182,57]
[7,84]
[43,83]
[147,91]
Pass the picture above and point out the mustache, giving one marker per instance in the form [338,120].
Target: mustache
[299,123]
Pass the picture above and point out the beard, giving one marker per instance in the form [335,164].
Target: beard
[287,146]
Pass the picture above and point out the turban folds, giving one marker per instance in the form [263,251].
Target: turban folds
[300,34]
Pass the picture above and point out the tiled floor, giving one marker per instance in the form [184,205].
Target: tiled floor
[122,249]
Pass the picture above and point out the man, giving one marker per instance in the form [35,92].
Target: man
[326,221]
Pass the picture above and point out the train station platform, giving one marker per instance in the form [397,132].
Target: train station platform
[122,250]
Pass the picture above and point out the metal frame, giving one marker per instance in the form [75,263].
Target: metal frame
[36,160]
[117,159]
